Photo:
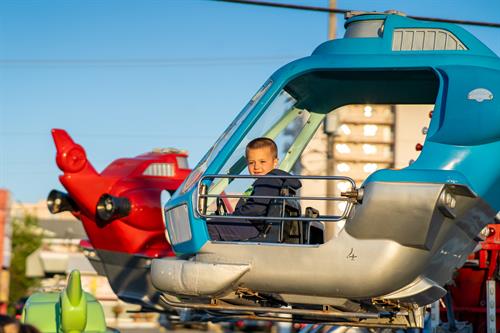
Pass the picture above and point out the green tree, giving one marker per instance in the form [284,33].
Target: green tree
[26,238]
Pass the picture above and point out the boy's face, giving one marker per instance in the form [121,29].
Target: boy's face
[260,161]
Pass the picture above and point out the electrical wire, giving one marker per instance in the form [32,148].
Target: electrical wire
[156,62]
[344,11]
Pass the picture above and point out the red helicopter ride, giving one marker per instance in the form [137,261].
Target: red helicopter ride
[120,211]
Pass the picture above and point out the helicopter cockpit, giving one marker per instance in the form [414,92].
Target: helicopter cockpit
[406,230]
[291,119]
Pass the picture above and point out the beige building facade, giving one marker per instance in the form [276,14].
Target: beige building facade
[358,140]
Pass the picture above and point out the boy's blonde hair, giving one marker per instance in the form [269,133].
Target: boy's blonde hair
[263,142]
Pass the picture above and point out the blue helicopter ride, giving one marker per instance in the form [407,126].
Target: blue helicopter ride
[406,231]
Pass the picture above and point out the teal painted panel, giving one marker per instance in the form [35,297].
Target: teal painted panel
[462,146]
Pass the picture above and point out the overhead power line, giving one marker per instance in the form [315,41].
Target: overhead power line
[108,134]
[154,62]
[343,11]
[288,6]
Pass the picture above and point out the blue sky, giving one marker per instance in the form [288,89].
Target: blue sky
[123,77]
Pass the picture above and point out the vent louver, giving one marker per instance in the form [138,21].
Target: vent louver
[159,170]
[425,40]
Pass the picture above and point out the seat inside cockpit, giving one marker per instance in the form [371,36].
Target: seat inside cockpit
[294,118]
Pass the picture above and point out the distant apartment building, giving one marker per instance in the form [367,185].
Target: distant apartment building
[363,139]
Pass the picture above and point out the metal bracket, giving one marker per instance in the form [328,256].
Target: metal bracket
[491,315]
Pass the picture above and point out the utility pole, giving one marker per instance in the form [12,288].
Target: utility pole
[330,128]
[332,21]
[4,250]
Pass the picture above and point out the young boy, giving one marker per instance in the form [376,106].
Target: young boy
[262,159]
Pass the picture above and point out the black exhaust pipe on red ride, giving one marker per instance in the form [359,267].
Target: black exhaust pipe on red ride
[58,202]
[111,208]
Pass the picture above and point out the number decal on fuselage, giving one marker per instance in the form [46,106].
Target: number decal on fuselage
[351,255]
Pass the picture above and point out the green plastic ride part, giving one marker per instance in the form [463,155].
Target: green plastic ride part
[70,311]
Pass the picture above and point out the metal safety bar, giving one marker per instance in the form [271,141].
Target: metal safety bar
[202,197]
[271,219]
[349,179]
[274,197]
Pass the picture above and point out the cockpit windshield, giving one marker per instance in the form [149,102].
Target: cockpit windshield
[282,122]
[278,118]
[222,140]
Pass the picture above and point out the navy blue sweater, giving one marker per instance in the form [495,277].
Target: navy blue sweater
[264,187]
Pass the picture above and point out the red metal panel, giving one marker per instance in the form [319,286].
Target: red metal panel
[141,231]
[4,274]
[469,286]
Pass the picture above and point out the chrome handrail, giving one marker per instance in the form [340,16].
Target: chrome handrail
[277,219]
[202,197]
[349,179]
[273,197]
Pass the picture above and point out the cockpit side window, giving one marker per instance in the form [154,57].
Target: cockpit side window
[222,140]
[281,122]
